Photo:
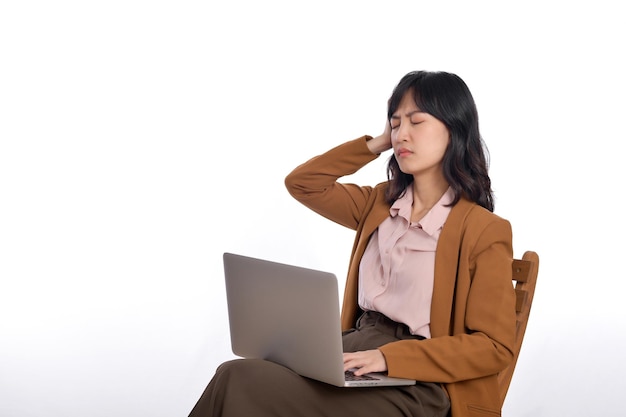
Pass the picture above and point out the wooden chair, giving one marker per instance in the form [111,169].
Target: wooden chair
[525,273]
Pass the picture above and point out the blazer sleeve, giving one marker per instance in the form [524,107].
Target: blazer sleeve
[315,185]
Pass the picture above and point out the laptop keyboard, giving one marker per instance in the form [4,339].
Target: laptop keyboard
[351,377]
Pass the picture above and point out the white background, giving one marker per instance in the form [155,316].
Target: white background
[142,139]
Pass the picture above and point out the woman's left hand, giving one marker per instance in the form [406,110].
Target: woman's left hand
[365,361]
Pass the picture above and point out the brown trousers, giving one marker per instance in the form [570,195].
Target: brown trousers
[258,388]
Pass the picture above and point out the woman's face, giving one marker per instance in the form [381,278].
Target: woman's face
[419,140]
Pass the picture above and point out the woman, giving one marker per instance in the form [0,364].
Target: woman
[428,294]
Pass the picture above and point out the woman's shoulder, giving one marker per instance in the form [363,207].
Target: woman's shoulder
[474,214]
[472,225]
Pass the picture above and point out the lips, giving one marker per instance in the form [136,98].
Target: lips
[403,152]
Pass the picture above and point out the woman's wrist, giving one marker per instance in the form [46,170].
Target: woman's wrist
[378,144]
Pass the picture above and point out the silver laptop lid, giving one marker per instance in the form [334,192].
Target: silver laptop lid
[285,314]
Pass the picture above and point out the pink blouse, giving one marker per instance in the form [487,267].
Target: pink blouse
[397,269]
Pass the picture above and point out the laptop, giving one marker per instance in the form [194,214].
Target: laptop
[290,315]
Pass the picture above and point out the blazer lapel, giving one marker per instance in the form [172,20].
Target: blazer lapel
[446,266]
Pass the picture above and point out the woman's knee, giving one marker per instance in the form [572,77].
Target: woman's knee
[246,371]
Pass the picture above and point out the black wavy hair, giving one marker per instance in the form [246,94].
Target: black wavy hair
[446,97]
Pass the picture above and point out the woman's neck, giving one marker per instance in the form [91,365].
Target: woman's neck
[425,196]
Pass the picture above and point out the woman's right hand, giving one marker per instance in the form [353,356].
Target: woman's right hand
[382,142]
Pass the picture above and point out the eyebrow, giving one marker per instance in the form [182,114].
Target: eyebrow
[409,114]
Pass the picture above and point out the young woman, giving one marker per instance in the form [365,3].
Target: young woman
[428,294]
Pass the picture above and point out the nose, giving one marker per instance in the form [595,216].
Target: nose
[402,132]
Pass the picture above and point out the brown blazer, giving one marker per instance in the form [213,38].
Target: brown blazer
[473,306]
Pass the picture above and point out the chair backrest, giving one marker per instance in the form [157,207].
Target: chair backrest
[525,273]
